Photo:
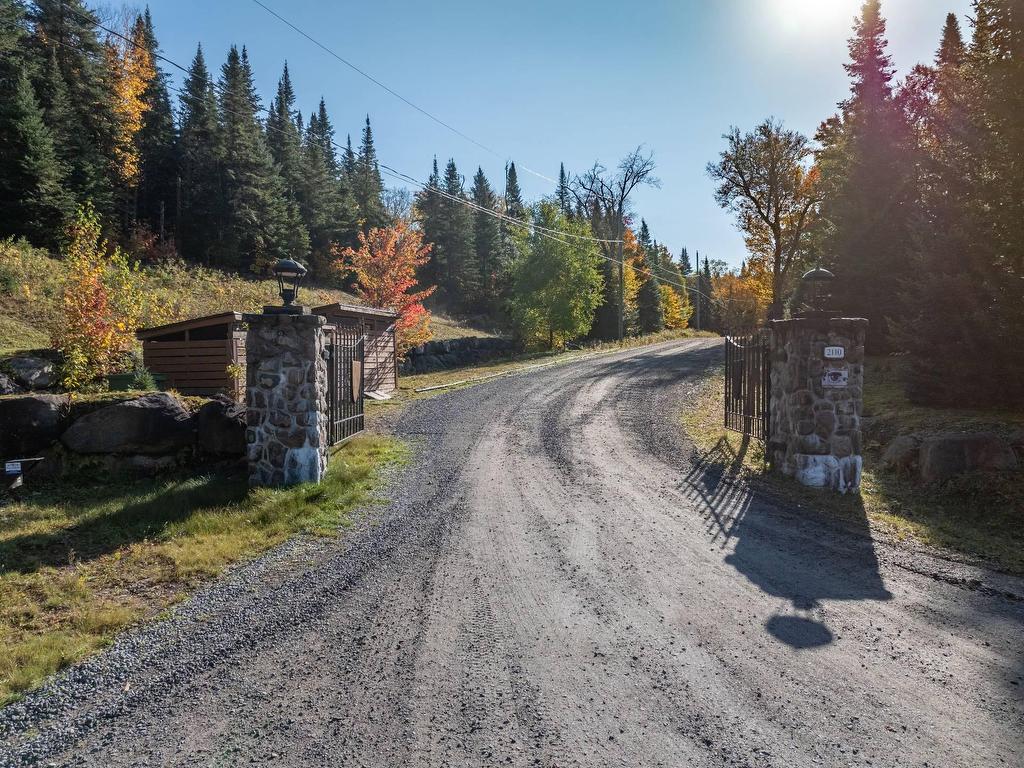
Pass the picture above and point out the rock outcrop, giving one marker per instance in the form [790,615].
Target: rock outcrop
[151,425]
[31,423]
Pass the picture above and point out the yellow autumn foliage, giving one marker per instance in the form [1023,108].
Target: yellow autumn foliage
[133,70]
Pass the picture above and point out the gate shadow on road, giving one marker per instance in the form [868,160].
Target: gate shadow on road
[794,553]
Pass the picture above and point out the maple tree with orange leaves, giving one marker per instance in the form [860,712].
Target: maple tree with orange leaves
[385,265]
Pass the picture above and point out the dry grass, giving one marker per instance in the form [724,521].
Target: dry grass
[81,560]
[980,516]
[32,282]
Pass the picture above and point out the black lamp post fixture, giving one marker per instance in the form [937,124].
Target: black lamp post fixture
[817,291]
[289,275]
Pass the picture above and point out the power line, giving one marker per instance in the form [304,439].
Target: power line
[531,227]
[393,92]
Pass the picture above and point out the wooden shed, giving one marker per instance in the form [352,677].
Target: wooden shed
[203,356]
[380,370]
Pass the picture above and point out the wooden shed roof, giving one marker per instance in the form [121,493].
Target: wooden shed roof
[187,325]
[354,309]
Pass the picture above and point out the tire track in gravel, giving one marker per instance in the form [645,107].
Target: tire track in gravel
[556,582]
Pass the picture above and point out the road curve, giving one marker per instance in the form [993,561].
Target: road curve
[558,580]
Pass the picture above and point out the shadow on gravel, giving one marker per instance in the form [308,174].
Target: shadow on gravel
[786,553]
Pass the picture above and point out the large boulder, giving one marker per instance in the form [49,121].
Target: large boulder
[31,423]
[151,425]
[220,425]
[901,455]
[946,456]
[32,372]
[9,386]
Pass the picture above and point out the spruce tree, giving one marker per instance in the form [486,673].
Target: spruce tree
[684,262]
[867,165]
[157,142]
[461,281]
[650,314]
[367,185]
[513,195]
[562,194]
[66,31]
[201,199]
[427,208]
[33,201]
[487,244]
[261,223]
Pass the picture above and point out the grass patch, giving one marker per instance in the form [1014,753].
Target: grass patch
[80,561]
[17,335]
[979,516]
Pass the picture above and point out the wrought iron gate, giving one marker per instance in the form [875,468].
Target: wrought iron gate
[747,384]
[346,352]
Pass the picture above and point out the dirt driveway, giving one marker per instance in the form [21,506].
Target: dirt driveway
[559,581]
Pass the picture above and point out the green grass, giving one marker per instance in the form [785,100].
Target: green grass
[16,335]
[83,559]
[978,516]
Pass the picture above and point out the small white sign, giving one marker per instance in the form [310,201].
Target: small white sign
[12,468]
[835,353]
[835,378]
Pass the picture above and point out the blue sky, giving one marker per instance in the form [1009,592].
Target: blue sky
[573,81]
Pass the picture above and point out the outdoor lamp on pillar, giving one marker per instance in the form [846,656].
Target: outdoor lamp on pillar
[289,275]
[817,290]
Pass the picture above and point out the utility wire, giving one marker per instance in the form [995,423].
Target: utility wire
[393,92]
[530,227]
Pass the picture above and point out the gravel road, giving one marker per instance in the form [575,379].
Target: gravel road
[559,580]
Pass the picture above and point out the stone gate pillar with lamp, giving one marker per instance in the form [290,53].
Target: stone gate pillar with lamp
[286,388]
[817,389]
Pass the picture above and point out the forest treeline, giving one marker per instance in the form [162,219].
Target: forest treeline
[208,174]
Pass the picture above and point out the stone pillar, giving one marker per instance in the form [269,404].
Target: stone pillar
[816,398]
[286,399]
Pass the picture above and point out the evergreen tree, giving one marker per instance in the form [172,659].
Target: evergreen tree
[367,185]
[157,142]
[283,138]
[66,31]
[460,283]
[428,213]
[867,171]
[562,194]
[33,201]
[643,237]
[198,223]
[650,313]
[513,195]
[320,134]
[327,209]
[684,262]
[261,224]
[487,243]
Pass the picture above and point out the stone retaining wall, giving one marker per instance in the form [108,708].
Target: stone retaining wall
[453,353]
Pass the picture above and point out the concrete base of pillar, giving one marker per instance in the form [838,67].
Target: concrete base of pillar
[842,475]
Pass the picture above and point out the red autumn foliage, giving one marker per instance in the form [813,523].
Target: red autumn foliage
[385,268]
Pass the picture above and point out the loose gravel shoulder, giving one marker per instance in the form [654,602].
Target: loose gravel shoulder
[557,580]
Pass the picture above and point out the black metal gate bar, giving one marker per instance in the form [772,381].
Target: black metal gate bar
[747,384]
[346,356]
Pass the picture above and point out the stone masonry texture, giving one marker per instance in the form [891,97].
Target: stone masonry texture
[816,431]
[286,399]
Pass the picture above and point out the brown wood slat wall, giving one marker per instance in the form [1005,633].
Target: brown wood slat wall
[193,367]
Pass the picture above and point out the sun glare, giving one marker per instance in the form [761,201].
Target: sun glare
[812,15]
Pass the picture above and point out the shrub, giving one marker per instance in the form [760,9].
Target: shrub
[101,304]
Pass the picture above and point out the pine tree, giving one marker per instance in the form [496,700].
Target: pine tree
[260,223]
[487,244]
[328,213]
[157,147]
[460,283]
[684,262]
[427,207]
[66,31]
[202,204]
[650,314]
[643,237]
[562,194]
[367,185]
[33,201]
[320,133]
[283,138]
[867,167]
[513,195]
